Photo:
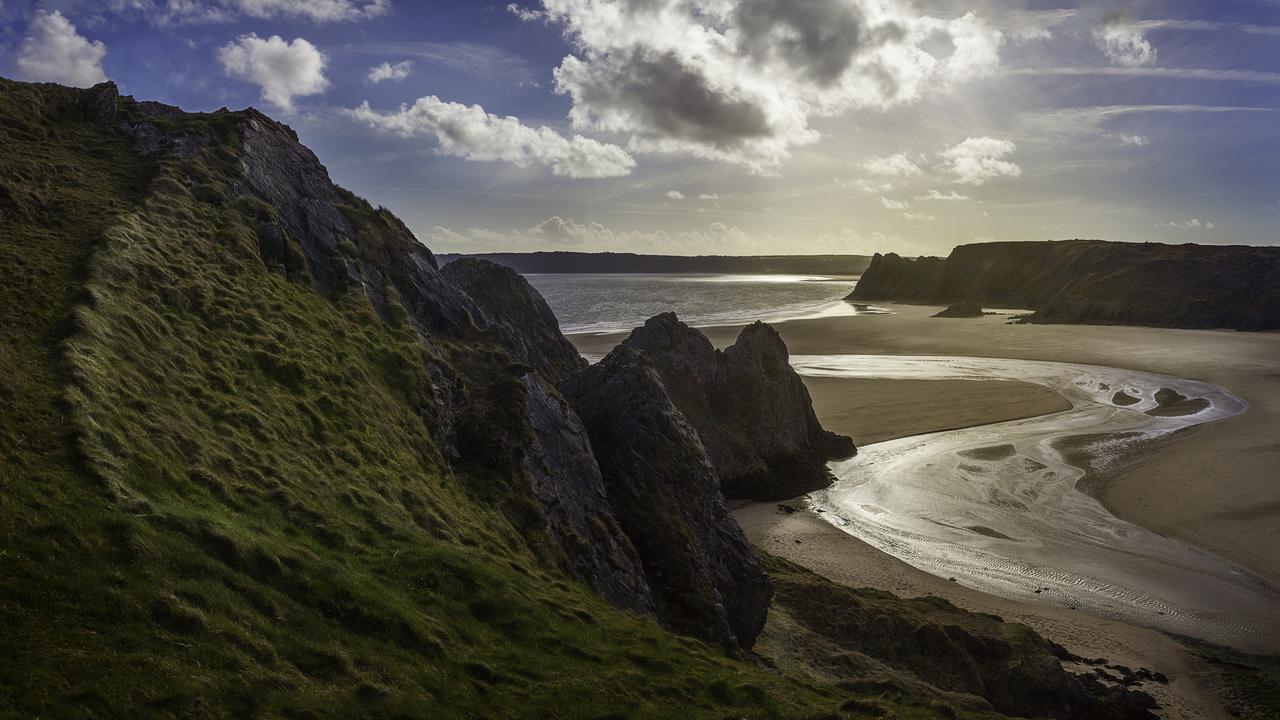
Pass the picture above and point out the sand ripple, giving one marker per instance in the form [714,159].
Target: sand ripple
[997,507]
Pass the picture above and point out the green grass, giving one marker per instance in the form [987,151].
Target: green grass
[221,494]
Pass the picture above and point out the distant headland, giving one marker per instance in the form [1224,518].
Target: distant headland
[608,262]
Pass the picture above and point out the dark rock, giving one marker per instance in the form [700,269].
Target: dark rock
[1014,669]
[580,521]
[750,408]
[100,102]
[961,310]
[381,257]
[706,579]
[1091,281]
[520,316]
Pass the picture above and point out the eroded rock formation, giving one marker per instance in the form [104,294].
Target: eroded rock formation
[705,576]
[521,317]
[749,406]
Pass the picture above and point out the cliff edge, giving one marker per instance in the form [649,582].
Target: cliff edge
[1092,281]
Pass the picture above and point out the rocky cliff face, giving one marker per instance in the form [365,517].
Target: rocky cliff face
[1090,281]
[522,319]
[749,407]
[372,494]
[381,256]
[705,576]
[579,516]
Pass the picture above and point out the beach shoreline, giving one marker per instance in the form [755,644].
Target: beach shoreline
[1207,486]
[1212,487]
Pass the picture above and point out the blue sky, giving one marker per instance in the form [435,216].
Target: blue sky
[729,126]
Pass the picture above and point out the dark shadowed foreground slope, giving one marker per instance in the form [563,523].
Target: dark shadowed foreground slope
[259,457]
[1091,281]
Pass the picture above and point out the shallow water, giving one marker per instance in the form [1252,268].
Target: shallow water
[996,507]
[609,303]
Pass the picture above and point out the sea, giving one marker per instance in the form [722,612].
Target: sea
[586,303]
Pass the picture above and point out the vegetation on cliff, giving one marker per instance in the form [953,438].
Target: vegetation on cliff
[260,457]
[1091,281]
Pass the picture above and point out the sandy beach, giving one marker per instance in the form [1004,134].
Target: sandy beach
[1213,486]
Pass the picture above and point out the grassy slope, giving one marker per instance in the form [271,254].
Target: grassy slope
[220,496]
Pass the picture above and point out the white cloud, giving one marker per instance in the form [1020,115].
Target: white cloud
[182,12]
[919,216]
[978,160]
[1126,139]
[524,13]
[1122,42]
[283,70]
[675,195]
[558,233]
[54,52]
[891,166]
[892,204]
[740,81]
[867,186]
[1192,224]
[952,196]
[467,131]
[387,71]
[709,196]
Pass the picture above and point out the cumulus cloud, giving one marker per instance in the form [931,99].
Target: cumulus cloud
[467,131]
[283,70]
[978,160]
[952,196]
[709,196]
[675,195]
[1192,224]
[1123,42]
[919,216]
[388,71]
[892,204]
[54,52]
[740,81]
[891,166]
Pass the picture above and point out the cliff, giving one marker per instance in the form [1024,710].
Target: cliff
[749,406]
[706,578]
[524,322]
[262,458]
[1091,281]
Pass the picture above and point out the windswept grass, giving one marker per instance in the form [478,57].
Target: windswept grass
[221,494]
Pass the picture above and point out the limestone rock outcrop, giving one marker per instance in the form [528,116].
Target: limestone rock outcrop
[706,579]
[518,313]
[750,408]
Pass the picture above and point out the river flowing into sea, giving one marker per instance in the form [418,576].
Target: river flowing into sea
[997,507]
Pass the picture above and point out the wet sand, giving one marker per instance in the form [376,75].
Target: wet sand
[807,540]
[875,410]
[1214,486]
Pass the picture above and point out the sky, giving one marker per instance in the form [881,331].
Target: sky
[729,126]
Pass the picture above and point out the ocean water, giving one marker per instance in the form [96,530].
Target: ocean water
[606,303]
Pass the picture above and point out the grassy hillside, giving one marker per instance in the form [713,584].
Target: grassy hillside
[221,493]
